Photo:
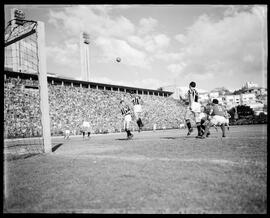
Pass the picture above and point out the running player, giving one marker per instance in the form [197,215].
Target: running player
[217,118]
[86,128]
[67,133]
[137,102]
[127,118]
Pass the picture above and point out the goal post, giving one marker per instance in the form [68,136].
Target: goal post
[25,52]
[43,87]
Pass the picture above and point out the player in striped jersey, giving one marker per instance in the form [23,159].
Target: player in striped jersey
[126,112]
[136,101]
[194,106]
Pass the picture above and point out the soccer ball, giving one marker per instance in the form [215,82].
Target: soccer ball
[118,59]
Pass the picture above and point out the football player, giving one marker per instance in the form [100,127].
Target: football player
[126,112]
[194,106]
[137,102]
[203,117]
[217,118]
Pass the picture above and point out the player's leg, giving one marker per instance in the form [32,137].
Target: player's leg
[139,121]
[137,112]
[128,120]
[223,122]
[187,120]
[126,126]
[198,123]
[208,123]
[227,123]
[206,131]
[203,124]
[88,134]
[190,128]
[136,117]
[188,117]
[222,126]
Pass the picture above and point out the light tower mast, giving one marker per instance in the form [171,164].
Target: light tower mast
[85,56]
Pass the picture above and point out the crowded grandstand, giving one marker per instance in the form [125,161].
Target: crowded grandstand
[71,105]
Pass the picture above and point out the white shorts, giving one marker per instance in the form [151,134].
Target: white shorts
[67,132]
[202,116]
[196,107]
[218,120]
[128,118]
[137,108]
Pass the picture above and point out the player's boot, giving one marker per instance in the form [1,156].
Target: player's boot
[130,136]
[205,132]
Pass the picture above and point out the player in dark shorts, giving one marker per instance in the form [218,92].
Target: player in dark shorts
[136,101]
[126,112]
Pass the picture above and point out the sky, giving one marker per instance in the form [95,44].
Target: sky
[159,45]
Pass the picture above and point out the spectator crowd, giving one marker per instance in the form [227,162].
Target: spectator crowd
[70,106]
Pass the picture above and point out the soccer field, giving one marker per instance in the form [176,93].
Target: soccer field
[155,172]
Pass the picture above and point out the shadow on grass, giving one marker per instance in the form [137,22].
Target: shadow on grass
[56,147]
[21,156]
[172,137]
[125,139]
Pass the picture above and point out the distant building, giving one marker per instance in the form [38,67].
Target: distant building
[248,98]
[213,95]
[204,97]
[249,85]
[256,90]
[231,100]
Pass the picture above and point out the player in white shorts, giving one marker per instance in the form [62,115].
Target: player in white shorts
[67,133]
[136,100]
[127,118]
[217,118]
[194,106]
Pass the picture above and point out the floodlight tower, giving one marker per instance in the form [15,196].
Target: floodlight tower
[17,16]
[85,56]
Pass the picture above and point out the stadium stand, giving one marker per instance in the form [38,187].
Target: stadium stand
[71,105]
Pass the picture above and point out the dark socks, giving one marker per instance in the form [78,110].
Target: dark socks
[223,130]
[199,129]
[188,124]
[128,132]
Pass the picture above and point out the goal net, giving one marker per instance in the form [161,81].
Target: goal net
[26,108]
